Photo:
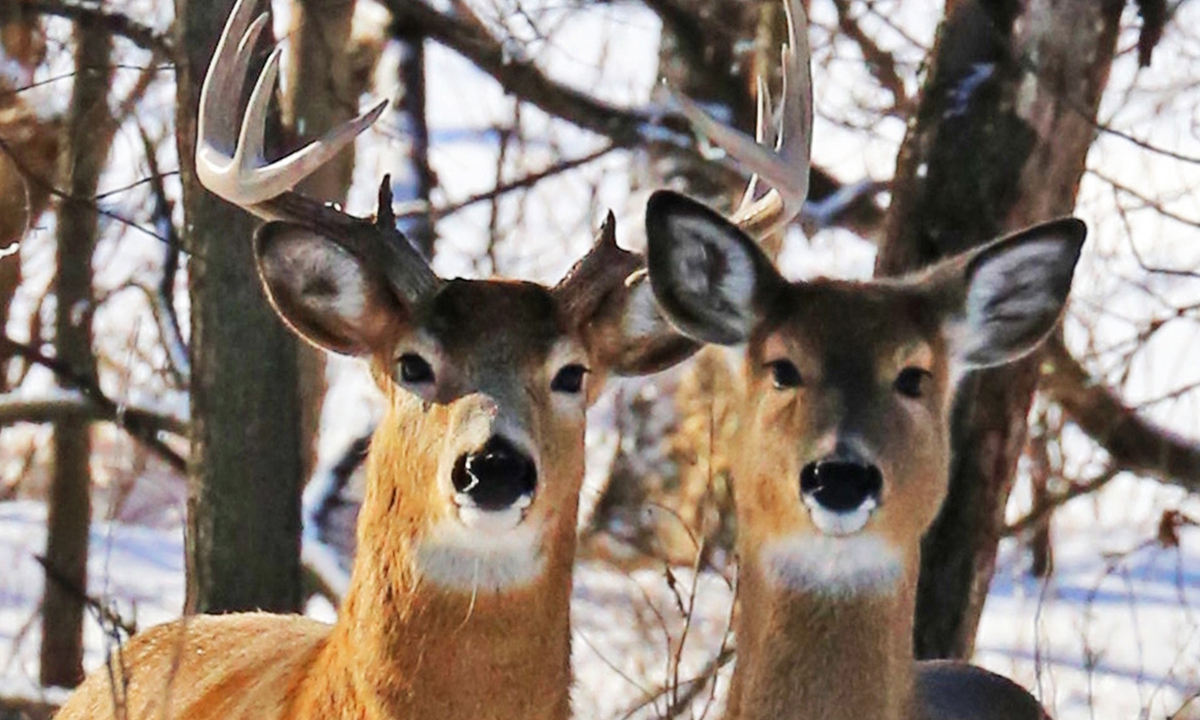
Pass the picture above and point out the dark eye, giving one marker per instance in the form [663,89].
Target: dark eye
[785,374]
[569,379]
[913,382]
[415,369]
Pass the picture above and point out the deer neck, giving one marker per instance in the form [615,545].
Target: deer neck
[406,647]
[811,655]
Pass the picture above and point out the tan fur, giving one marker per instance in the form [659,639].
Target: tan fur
[403,647]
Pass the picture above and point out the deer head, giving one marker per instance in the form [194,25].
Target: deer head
[487,380]
[843,443]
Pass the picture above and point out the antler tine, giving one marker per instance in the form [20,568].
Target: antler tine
[605,266]
[765,134]
[234,168]
[785,166]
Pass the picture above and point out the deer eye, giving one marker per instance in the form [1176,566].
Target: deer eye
[415,369]
[785,374]
[569,379]
[913,382]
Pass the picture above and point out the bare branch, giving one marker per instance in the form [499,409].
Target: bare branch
[1041,514]
[108,616]
[105,407]
[880,62]
[162,300]
[1133,442]
[522,78]
[24,410]
[118,24]
[521,183]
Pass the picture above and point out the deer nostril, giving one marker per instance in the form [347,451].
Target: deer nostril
[841,486]
[496,476]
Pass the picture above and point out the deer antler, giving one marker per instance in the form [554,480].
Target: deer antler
[605,267]
[780,153]
[229,159]
[230,163]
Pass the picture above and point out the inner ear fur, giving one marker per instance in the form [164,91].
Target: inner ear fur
[1002,300]
[326,294]
[711,280]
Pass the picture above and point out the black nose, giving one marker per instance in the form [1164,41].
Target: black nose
[495,476]
[839,485]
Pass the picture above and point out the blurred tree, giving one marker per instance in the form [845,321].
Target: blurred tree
[28,153]
[85,148]
[247,457]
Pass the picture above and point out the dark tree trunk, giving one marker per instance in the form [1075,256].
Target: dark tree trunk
[999,142]
[413,180]
[69,502]
[246,467]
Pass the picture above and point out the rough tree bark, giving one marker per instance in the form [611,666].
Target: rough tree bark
[999,141]
[247,448]
[69,501]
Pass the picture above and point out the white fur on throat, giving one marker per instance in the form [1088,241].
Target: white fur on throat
[843,567]
[488,556]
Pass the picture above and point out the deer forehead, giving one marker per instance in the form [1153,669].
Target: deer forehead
[493,324]
[850,330]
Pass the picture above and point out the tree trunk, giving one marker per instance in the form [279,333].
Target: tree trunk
[247,448]
[412,178]
[999,142]
[69,499]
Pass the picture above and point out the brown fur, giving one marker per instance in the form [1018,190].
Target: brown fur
[404,647]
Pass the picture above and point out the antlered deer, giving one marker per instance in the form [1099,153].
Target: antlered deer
[459,599]
[840,460]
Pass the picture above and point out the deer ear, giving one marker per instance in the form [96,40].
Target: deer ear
[710,280]
[1013,292]
[327,295]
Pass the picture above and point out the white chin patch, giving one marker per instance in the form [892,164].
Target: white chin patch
[481,551]
[846,566]
[840,523]
[491,521]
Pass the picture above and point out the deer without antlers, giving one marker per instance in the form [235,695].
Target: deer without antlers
[459,599]
[840,459]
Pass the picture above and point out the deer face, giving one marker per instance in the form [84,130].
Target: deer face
[843,422]
[482,449]
[842,451]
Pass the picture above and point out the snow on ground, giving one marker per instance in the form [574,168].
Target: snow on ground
[1114,634]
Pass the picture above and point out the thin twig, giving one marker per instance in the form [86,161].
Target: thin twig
[108,617]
